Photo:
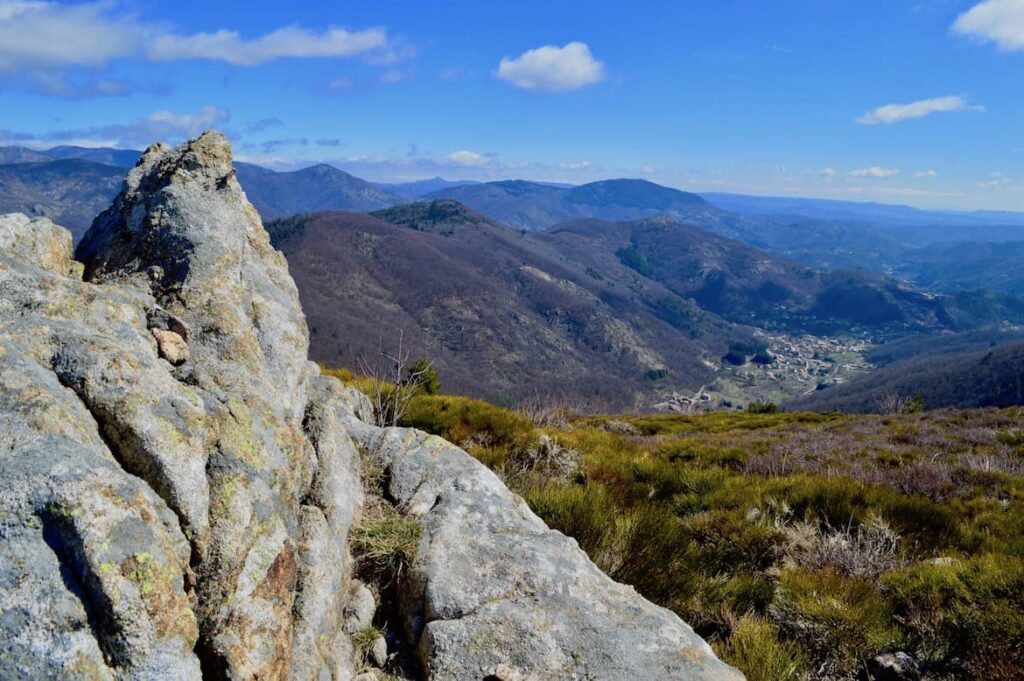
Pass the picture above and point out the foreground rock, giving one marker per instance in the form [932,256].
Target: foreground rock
[179,483]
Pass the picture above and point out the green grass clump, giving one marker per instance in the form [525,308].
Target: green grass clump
[459,419]
[385,546]
[755,646]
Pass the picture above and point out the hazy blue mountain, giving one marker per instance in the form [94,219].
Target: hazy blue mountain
[905,225]
[317,188]
[535,206]
[124,158]
[967,266]
[747,285]
[854,210]
[15,154]
[418,188]
[71,192]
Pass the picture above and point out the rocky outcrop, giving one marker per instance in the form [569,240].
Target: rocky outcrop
[179,483]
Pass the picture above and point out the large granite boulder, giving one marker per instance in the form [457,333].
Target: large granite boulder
[179,483]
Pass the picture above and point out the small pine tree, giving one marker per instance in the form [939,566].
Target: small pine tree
[423,376]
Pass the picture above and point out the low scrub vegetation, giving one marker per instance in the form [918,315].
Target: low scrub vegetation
[801,545]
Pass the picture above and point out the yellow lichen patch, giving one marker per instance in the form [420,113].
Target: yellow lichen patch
[236,434]
[222,493]
[165,602]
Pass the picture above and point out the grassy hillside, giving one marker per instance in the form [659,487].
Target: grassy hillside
[801,545]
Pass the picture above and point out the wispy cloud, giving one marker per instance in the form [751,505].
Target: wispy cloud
[228,46]
[552,69]
[140,132]
[874,172]
[273,146]
[894,113]
[827,173]
[926,173]
[392,76]
[997,21]
[995,181]
[263,124]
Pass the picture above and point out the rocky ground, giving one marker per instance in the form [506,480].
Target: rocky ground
[180,484]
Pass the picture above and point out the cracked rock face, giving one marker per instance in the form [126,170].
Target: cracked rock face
[178,482]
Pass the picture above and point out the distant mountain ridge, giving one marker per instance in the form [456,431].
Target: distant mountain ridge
[316,188]
[418,188]
[823,234]
[71,192]
[834,209]
[534,206]
[124,158]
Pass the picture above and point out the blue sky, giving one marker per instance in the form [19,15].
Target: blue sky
[918,102]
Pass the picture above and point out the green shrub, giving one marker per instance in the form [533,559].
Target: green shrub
[458,419]
[762,407]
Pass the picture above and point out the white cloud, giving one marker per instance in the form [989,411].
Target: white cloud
[45,35]
[894,113]
[925,173]
[827,173]
[552,69]
[49,36]
[998,21]
[874,172]
[467,159]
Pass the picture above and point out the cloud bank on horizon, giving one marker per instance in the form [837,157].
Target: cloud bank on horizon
[699,98]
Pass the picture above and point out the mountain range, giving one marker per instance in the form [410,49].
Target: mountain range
[503,280]
[623,313]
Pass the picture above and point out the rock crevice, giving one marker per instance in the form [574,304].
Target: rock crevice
[180,483]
